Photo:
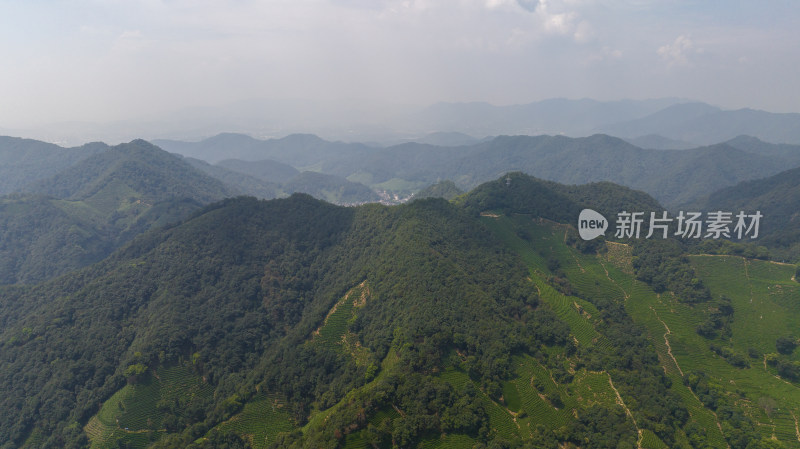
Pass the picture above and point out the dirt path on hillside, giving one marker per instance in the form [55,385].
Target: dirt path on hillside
[747,276]
[669,352]
[666,340]
[624,293]
[620,402]
[571,253]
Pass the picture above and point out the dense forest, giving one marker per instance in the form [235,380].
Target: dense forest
[481,322]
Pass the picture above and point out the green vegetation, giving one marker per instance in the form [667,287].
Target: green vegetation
[481,323]
[446,189]
[330,188]
[141,412]
[80,215]
[777,198]
[23,161]
[673,177]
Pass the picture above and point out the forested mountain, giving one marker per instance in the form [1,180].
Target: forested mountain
[445,189]
[330,188]
[788,152]
[244,183]
[243,285]
[81,214]
[139,167]
[297,150]
[674,177]
[447,139]
[269,179]
[267,170]
[778,199]
[656,142]
[23,161]
[297,323]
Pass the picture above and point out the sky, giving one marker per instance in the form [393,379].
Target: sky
[107,60]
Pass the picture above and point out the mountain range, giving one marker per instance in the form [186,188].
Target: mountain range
[426,288]
[99,197]
[674,119]
[674,177]
[81,214]
[483,321]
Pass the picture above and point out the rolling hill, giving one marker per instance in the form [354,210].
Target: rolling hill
[706,125]
[297,150]
[330,188]
[778,199]
[81,214]
[297,323]
[674,177]
[266,170]
[140,167]
[23,161]
[241,182]
[445,189]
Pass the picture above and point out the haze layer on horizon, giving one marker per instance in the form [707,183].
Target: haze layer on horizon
[104,61]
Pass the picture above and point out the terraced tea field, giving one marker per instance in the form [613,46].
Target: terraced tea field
[260,421]
[766,303]
[133,415]
[333,333]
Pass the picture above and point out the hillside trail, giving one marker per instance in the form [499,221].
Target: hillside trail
[747,276]
[666,340]
[669,352]
[621,403]
[624,293]
[775,375]
[571,253]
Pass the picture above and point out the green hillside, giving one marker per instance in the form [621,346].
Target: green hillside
[777,198]
[81,214]
[674,177]
[137,168]
[330,188]
[445,189]
[267,170]
[23,161]
[480,323]
[241,182]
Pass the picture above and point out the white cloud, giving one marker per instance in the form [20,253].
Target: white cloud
[678,52]
[562,19]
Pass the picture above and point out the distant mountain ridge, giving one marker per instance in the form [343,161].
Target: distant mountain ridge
[23,161]
[673,177]
[81,214]
[551,116]
[777,198]
[297,150]
[702,124]
[672,118]
[144,168]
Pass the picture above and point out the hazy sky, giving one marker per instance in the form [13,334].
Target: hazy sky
[105,60]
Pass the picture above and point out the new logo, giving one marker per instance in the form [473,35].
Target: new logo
[591,224]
